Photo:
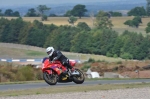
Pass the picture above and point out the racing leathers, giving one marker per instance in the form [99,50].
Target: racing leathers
[58,56]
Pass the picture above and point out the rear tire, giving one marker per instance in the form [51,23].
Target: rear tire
[50,79]
[78,79]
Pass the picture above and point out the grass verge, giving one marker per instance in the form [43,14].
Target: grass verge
[84,88]
[21,82]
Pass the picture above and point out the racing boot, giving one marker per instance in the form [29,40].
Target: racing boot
[74,72]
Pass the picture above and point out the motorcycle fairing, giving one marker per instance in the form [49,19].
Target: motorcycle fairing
[56,69]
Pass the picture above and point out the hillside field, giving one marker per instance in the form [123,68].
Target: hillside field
[18,51]
[118,22]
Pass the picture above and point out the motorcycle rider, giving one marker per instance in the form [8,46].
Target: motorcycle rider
[56,55]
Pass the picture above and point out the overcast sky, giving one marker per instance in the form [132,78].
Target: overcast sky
[21,2]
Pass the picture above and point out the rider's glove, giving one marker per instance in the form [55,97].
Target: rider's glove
[54,59]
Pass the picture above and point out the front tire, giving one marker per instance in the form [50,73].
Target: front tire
[78,79]
[50,79]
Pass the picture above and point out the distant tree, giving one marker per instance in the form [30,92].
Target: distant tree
[8,12]
[24,32]
[135,45]
[52,15]
[138,19]
[148,7]
[81,42]
[42,9]
[117,46]
[16,14]
[4,22]
[31,13]
[135,22]
[102,14]
[72,20]
[115,14]
[78,10]
[102,21]
[61,37]
[137,11]
[1,14]
[67,14]
[11,30]
[129,22]
[83,26]
[102,41]
[148,28]
[44,17]
[126,55]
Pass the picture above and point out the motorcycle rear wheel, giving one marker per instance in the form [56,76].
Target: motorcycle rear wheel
[78,79]
[50,79]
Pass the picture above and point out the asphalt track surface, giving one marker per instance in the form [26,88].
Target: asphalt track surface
[45,85]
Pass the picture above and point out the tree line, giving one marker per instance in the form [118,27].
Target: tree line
[78,10]
[80,38]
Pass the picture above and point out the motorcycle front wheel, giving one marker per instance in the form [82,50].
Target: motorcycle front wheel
[50,79]
[79,78]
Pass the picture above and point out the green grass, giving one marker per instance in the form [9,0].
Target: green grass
[34,53]
[21,82]
[20,53]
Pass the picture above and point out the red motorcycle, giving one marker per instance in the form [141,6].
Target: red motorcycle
[52,73]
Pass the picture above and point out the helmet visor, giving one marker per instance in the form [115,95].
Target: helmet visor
[49,52]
